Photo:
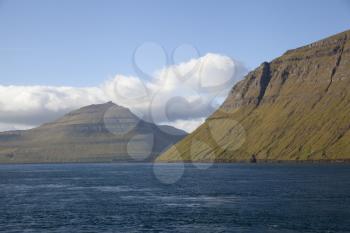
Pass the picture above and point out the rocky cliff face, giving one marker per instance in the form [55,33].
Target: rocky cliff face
[96,133]
[296,107]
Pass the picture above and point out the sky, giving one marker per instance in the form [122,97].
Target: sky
[57,55]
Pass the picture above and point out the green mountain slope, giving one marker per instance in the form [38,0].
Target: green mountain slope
[96,133]
[296,107]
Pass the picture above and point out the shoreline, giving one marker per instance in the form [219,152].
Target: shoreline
[345,161]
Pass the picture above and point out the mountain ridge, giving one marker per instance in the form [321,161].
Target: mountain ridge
[95,133]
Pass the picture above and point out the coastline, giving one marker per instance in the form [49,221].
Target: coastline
[345,161]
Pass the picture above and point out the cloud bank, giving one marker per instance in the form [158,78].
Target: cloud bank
[182,95]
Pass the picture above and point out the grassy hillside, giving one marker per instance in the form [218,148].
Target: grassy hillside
[294,108]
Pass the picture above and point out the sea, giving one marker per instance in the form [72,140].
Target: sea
[176,197]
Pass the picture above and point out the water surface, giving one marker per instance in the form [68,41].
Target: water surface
[133,198]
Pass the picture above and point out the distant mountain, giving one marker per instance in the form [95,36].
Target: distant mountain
[296,107]
[96,133]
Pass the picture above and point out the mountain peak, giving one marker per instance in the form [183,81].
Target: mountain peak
[95,133]
[100,106]
[109,103]
[93,114]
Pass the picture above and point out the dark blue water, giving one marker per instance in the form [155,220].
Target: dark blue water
[130,198]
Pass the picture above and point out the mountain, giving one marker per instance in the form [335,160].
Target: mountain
[97,133]
[294,108]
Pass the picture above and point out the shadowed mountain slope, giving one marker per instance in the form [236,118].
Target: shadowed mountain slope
[96,133]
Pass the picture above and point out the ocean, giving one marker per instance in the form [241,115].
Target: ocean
[146,197]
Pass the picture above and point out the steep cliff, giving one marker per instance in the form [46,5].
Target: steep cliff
[296,107]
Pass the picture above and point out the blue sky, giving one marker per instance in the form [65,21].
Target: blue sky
[60,55]
[83,42]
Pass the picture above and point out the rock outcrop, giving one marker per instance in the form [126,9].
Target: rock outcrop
[294,108]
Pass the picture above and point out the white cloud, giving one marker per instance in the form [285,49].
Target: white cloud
[187,125]
[7,127]
[181,95]
[33,105]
